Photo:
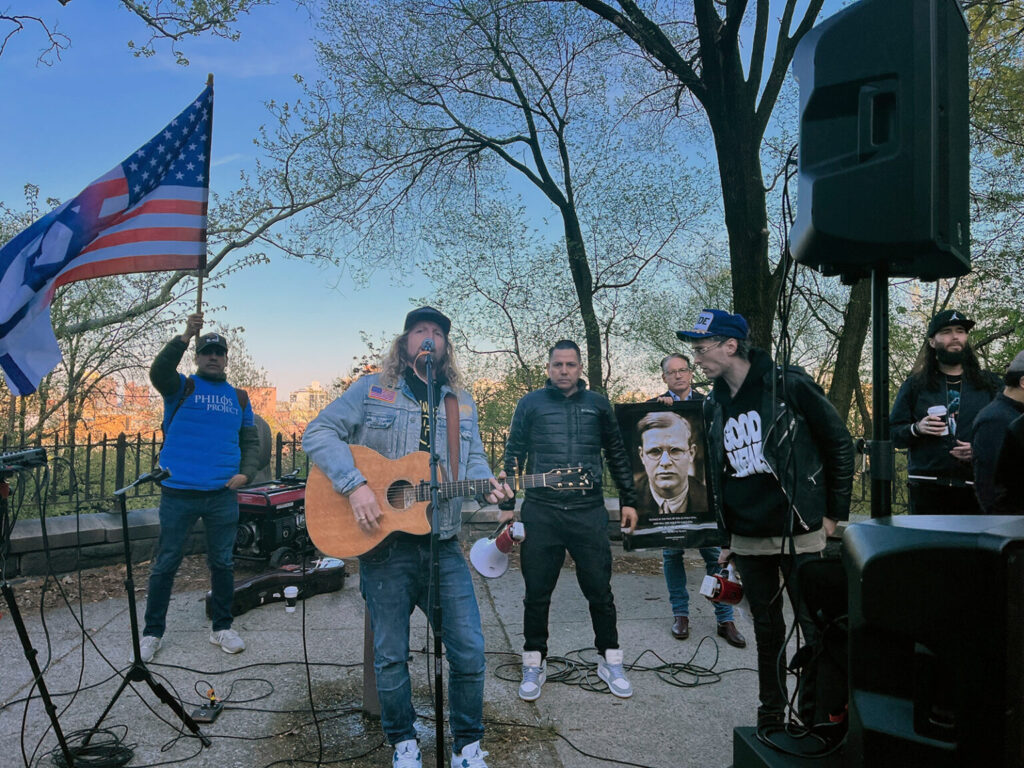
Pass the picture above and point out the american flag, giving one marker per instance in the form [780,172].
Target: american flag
[145,215]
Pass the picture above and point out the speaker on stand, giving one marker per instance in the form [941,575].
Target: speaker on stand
[883,191]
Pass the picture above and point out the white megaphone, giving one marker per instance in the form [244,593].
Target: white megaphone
[489,555]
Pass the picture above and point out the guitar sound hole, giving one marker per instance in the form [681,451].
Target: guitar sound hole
[399,494]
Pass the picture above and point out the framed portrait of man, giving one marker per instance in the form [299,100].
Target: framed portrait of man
[668,448]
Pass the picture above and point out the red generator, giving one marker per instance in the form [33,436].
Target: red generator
[272,522]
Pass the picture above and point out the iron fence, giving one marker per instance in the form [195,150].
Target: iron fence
[81,476]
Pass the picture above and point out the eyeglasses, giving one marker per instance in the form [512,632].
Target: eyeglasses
[677,372]
[701,351]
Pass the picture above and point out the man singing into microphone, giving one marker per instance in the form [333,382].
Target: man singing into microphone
[211,448]
[389,412]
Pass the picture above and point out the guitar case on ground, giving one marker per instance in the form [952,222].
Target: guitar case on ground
[325,575]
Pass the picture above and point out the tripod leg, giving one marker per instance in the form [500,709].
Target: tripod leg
[117,694]
[30,654]
[164,695]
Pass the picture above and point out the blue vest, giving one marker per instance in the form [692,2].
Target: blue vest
[201,445]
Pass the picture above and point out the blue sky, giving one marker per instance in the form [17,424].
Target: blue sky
[66,124]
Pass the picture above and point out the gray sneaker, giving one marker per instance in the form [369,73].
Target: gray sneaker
[534,675]
[148,647]
[609,669]
[228,640]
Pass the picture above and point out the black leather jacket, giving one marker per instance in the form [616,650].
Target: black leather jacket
[808,448]
[550,430]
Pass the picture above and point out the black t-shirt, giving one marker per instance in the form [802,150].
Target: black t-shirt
[953,384]
[419,389]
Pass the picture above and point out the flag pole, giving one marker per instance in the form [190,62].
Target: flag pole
[202,271]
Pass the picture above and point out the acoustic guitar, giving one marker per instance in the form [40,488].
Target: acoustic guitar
[402,489]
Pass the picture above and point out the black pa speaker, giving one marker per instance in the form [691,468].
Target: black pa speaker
[884,141]
[936,641]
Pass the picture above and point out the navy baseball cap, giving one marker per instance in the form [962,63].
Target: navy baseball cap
[208,340]
[430,315]
[716,322]
[949,317]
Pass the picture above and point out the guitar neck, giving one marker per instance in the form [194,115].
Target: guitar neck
[469,488]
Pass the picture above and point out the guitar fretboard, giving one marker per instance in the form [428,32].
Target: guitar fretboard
[467,488]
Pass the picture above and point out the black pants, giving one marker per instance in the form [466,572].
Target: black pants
[760,574]
[935,499]
[549,533]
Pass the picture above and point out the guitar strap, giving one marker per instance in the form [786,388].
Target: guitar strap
[451,410]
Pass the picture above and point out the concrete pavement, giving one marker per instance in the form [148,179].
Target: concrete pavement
[272,694]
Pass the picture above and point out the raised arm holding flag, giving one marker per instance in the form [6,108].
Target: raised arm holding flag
[147,214]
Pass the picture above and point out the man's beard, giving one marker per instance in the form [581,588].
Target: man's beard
[419,364]
[947,357]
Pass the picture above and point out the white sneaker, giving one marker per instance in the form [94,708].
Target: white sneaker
[228,640]
[535,672]
[148,647]
[609,669]
[472,757]
[407,755]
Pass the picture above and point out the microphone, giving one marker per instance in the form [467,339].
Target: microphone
[427,345]
[155,475]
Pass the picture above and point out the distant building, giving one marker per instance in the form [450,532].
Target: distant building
[311,398]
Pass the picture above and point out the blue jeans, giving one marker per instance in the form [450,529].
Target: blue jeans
[179,511]
[675,578]
[394,578]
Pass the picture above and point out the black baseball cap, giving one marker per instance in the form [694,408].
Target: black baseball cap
[949,317]
[430,315]
[1017,364]
[211,340]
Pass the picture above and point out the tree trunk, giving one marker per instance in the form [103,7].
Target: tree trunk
[754,286]
[856,319]
[583,281]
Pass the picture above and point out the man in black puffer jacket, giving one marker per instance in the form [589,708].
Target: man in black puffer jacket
[781,469]
[565,425]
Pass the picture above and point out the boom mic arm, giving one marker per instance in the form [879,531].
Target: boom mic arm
[18,460]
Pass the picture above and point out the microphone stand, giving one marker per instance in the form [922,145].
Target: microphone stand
[138,672]
[8,468]
[435,558]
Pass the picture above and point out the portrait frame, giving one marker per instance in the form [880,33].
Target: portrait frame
[673,505]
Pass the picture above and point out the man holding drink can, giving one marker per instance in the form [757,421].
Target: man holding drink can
[933,417]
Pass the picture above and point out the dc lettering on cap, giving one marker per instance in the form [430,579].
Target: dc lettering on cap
[703,322]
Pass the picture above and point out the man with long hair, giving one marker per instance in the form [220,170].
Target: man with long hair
[933,417]
[389,412]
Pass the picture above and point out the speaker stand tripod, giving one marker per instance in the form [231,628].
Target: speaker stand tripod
[19,624]
[138,672]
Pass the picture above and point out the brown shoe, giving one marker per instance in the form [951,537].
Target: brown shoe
[727,629]
[681,627]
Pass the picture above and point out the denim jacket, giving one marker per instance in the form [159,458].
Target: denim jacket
[388,421]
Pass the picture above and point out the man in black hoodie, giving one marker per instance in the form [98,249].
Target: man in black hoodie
[562,425]
[947,378]
[781,470]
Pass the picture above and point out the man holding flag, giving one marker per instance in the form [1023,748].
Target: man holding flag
[147,214]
